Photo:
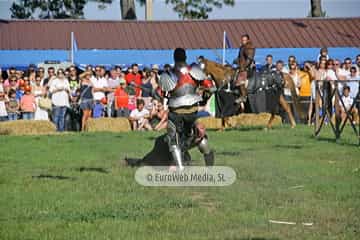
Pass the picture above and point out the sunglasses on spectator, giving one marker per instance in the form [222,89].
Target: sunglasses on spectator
[347,62]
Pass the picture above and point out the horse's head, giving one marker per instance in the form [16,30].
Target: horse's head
[219,73]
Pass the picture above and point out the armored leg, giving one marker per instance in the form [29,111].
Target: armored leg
[204,148]
[174,146]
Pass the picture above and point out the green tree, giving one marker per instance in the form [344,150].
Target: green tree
[43,9]
[197,9]
[48,9]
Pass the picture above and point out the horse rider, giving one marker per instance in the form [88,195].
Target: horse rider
[180,84]
[246,63]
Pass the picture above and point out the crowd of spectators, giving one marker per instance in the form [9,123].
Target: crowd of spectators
[97,92]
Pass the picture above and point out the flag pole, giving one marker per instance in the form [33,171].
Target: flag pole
[224,46]
[72,47]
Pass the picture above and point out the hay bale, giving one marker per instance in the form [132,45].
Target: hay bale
[210,122]
[252,119]
[108,125]
[27,127]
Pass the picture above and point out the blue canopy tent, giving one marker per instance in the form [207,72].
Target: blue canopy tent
[145,58]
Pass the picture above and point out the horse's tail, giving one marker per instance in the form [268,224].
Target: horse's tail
[294,97]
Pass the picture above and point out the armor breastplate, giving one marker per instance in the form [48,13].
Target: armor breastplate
[184,94]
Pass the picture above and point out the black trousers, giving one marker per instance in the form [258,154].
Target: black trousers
[180,127]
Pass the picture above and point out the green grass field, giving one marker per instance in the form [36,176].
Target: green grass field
[282,174]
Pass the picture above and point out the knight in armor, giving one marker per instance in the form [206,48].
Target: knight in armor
[180,84]
[246,64]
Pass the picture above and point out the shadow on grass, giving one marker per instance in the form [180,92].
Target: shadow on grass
[54,177]
[333,140]
[254,238]
[92,169]
[234,153]
[289,146]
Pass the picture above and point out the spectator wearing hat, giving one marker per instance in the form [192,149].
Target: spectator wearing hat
[155,68]
[28,104]
[12,106]
[121,101]
[59,89]
[154,76]
[3,112]
[139,117]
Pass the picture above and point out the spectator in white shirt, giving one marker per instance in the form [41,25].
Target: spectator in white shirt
[139,117]
[100,86]
[113,83]
[59,89]
[345,69]
[354,83]
[348,102]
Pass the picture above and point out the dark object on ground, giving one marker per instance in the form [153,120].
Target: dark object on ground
[55,177]
[92,169]
[158,156]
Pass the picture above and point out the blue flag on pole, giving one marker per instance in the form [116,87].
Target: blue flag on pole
[227,41]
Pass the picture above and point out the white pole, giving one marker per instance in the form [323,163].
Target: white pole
[224,46]
[72,47]
[149,10]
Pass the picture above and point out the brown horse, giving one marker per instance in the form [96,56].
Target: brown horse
[222,75]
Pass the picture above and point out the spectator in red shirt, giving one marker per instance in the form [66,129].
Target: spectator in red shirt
[28,104]
[134,78]
[121,100]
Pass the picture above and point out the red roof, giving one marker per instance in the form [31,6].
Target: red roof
[265,33]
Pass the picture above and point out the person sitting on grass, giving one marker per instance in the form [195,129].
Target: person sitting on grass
[348,101]
[139,117]
[28,104]
[160,115]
